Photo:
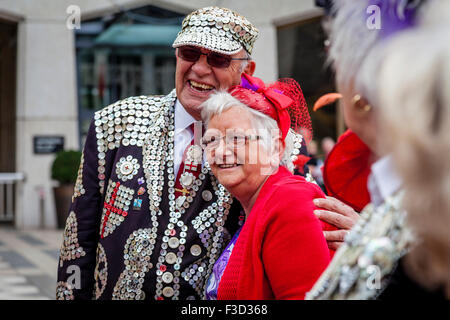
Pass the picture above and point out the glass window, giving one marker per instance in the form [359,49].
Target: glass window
[126,54]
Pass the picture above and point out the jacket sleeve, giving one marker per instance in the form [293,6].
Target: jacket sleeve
[78,251]
[294,250]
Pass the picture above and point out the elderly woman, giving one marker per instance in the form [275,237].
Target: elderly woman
[364,266]
[416,127]
[280,250]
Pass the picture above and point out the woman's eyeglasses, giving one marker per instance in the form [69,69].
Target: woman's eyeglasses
[214,59]
[235,141]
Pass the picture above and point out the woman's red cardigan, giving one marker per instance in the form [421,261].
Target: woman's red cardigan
[281,250]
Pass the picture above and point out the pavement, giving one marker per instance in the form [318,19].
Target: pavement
[28,263]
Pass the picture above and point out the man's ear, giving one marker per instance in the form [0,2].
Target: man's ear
[250,68]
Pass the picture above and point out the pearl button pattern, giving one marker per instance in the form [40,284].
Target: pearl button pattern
[217,29]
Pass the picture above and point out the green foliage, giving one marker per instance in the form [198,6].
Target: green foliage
[65,166]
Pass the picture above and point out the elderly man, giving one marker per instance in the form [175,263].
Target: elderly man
[148,220]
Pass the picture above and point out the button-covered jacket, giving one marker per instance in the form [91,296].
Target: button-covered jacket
[126,235]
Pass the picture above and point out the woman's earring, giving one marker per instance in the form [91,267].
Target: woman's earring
[357,99]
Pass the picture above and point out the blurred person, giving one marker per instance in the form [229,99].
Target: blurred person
[414,97]
[327,145]
[363,265]
[315,163]
[137,224]
[313,148]
[280,250]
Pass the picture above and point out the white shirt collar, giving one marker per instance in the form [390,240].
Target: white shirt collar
[383,180]
[182,118]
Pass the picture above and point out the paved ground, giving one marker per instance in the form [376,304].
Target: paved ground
[28,263]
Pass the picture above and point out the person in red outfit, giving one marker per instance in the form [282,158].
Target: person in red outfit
[280,251]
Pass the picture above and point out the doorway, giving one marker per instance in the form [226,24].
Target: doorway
[8,55]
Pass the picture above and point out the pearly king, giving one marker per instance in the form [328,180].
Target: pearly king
[136,240]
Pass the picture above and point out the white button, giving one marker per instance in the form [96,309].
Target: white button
[168,292]
[174,242]
[167,277]
[126,168]
[196,250]
[207,195]
[171,258]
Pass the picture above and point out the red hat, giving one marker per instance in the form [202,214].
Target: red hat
[282,101]
[347,169]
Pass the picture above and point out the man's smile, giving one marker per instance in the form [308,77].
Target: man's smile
[201,87]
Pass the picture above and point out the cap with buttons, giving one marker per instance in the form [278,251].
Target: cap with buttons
[217,29]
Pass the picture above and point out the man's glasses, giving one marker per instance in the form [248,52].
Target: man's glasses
[214,59]
[235,141]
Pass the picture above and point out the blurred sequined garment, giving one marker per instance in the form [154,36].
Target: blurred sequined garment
[130,234]
[361,269]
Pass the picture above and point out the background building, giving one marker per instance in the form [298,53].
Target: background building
[53,76]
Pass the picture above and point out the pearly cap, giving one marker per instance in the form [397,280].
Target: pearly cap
[217,29]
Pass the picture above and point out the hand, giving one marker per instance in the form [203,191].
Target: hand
[338,214]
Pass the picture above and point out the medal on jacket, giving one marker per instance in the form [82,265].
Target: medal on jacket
[191,166]
[191,171]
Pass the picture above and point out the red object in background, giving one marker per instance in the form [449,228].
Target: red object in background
[347,169]
[300,163]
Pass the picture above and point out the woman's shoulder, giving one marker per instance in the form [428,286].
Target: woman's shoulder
[292,195]
[295,188]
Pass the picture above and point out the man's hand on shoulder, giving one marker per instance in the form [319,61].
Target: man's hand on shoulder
[338,214]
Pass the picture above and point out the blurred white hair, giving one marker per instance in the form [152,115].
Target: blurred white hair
[264,125]
[350,40]
[245,63]
[352,43]
[414,99]
[432,12]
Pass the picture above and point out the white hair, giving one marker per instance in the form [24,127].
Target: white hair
[357,51]
[221,101]
[245,63]
[350,39]
[414,99]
